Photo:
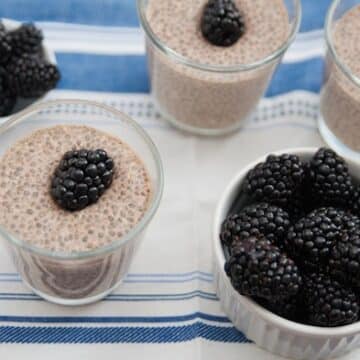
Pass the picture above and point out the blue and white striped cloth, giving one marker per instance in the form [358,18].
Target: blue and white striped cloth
[166,307]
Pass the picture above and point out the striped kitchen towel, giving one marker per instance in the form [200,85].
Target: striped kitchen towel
[166,307]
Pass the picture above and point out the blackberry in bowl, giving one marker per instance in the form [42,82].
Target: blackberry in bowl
[80,182]
[295,291]
[28,68]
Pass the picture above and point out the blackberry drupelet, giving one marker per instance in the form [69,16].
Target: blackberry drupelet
[258,269]
[350,223]
[258,219]
[310,240]
[329,178]
[222,24]
[328,303]
[277,180]
[81,178]
[5,45]
[26,39]
[30,76]
[344,263]
[7,100]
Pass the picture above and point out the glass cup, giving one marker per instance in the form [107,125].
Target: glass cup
[209,99]
[83,277]
[339,121]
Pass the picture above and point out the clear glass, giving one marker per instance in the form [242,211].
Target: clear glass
[84,277]
[191,95]
[339,121]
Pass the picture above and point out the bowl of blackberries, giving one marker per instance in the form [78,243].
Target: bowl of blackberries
[27,66]
[287,253]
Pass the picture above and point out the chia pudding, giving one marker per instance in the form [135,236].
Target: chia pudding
[193,97]
[28,212]
[340,96]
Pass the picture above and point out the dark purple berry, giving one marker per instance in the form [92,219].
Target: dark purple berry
[80,179]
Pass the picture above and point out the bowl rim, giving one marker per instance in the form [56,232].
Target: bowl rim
[219,257]
[137,229]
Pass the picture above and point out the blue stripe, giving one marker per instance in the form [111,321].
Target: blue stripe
[89,12]
[114,319]
[111,299]
[137,281]
[124,297]
[136,278]
[314,13]
[171,275]
[129,281]
[113,335]
[168,281]
[129,74]
[144,274]
[103,73]
[9,274]
[306,75]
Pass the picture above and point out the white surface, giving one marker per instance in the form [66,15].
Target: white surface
[197,171]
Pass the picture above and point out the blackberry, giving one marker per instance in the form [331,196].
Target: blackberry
[27,39]
[7,100]
[7,103]
[289,309]
[350,223]
[222,24]
[310,240]
[300,204]
[330,179]
[5,45]
[258,269]
[30,76]
[258,219]
[81,178]
[328,303]
[344,263]
[277,180]
[355,201]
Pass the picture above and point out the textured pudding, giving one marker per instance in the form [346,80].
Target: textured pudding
[212,100]
[28,212]
[340,97]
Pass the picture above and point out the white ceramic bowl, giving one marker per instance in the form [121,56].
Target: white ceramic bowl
[49,55]
[267,330]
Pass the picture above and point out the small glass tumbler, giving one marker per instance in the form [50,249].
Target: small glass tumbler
[209,99]
[82,277]
[339,121]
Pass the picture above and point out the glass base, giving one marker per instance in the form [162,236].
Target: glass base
[73,302]
[197,130]
[335,143]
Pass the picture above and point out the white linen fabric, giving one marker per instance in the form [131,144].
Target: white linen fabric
[167,306]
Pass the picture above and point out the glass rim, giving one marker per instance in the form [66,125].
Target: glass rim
[330,44]
[137,229]
[219,68]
